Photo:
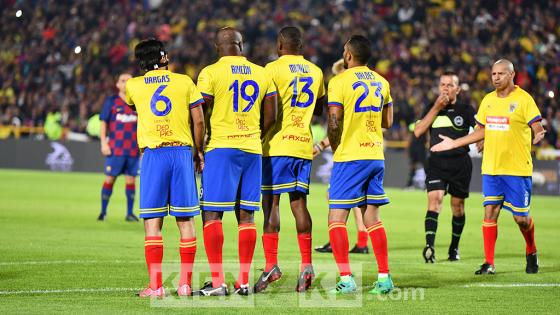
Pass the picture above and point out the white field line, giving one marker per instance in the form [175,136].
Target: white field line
[511,285]
[80,290]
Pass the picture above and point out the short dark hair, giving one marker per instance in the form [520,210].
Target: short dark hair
[292,36]
[149,52]
[360,47]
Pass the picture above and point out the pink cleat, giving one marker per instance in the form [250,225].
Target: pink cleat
[184,290]
[149,292]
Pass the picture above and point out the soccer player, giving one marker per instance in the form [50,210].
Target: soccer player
[234,90]
[118,144]
[168,106]
[450,171]
[288,151]
[360,105]
[506,118]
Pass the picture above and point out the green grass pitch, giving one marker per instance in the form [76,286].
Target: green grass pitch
[55,257]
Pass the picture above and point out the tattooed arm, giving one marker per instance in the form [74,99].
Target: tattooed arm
[334,131]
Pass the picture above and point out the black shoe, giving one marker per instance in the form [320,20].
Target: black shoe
[532,263]
[266,278]
[324,249]
[209,290]
[131,218]
[429,254]
[359,250]
[101,217]
[486,269]
[305,279]
[242,289]
[453,254]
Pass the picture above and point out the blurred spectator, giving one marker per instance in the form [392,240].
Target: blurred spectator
[64,53]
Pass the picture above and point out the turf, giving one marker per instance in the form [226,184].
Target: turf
[50,240]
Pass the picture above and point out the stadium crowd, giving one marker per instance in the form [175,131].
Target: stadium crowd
[62,56]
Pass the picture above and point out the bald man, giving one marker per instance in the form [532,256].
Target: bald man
[506,117]
[240,95]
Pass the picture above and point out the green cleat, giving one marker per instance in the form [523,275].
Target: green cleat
[383,286]
[346,285]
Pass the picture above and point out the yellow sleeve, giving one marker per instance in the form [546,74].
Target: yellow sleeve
[195,98]
[335,97]
[128,97]
[204,84]
[480,116]
[321,91]
[388,98]
[532,113]
[271,87]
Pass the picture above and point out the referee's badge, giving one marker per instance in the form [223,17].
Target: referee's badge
[458,121]
[512,107]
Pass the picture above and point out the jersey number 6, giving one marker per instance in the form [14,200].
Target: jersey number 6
[157,97]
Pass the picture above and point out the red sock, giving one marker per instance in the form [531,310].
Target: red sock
[529,235]
[153,250]
[304,241]
[213,243]
[490,233]
[338,237]
[187,250]
[270,245]
[246,249]
[362,238]
[379,244]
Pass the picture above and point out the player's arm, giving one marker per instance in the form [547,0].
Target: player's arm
[197,117]
[319,106]
[424,124]
[268,109]
[450,144]
[334,129]
[538,131]
[387,117]
[320,146]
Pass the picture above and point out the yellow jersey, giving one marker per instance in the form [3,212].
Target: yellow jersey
[363,94]
[238,88]
[299,84]
[162,100]
[507,132]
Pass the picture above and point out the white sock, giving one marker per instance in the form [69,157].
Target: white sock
[382,276]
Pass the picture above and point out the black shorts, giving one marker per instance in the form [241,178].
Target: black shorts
[450,174]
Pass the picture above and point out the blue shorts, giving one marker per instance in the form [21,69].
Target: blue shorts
[356,183]
[283,174]
[117,165]
[512,192]
[231,177]
[167,183]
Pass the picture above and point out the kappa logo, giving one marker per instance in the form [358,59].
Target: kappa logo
[60,159]
[458,121]
[512,107]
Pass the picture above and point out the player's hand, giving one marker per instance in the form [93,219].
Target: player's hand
[442,101]
[316,150]
[445,145]
[198,161]
[539,136]
[480,146]
[105,149]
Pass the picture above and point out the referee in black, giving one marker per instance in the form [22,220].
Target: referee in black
[450,171]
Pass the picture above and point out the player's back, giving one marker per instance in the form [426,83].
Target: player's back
[162,99]
[362,93]
[237,87]
[299,83]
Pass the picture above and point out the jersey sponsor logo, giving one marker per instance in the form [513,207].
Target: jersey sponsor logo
[159,79]
[164,130]
[512,107]
[297,121]
[499,123]
[249,136]
[458,121]
[370,144]
[240,69]
[296,138]
[125,118]
[299,68]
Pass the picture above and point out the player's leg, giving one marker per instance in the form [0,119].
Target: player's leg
[113,168]
[248,202]
[338,236]
[436,187]
[376,197]
[153,207]
[298,204]
[457,225]
[361,246]
[130,171]
[517,200]
[187,252]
